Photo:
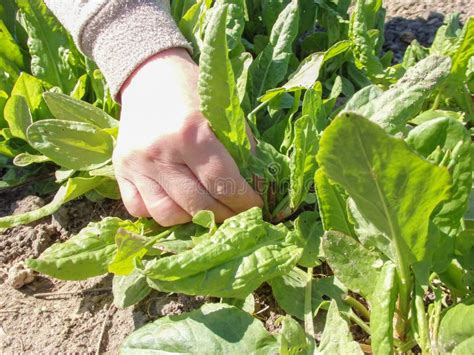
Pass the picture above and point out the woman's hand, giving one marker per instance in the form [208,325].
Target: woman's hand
[168,163]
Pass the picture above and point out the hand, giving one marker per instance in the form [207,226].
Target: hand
[168,163]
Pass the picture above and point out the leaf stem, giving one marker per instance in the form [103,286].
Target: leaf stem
[422,322]
[436,101]
[282,209]
[162,235]
[351,301]
[308,309]
[434,319]
[406,346]
[357,320]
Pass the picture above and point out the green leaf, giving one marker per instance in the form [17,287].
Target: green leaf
[74,188]
[414,53]
[307,73]
[332,205]
[66,108]
[217,89]
[212,329]
[129,290]
[242,254]
[289,292]
[355,266]
[383,301]
[80,89]
[464,248]
[292,337]
[236,235]
[74,145]
[303,160]
[131,248]
[313,106]
[386,180]
[363,98]
[8,11]
[271,9]
[48,44]
[364,47]
[247,304]
[191,24]
[205,219]
[456,330]
[179,8]
[10,52]
[85,255]
[310,231]
[464,52]
[235,23]
[32,90]
[240,67]
[3,101]
[433,114]
[271,65]
[337,338]
[25,159]
[368,234]
[404,100]
[447,136]
[447,36]
[18,116]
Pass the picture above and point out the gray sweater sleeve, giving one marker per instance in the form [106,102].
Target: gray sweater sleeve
[119,34]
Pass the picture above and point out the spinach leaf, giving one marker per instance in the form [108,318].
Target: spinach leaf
[271,65]
[242,254]
[73,145]
[18,116]
[48,45]
[303,160]
[332,205]
[355,266]
[404,100]
[85,255]
[130,289]
[385,179]
[456,330]
[66,108]
[217,89]
[337,338]
[445,141]
[289,292]
[73,188]
[212,329]
[383,300]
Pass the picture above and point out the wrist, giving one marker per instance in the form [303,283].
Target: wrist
[159,69]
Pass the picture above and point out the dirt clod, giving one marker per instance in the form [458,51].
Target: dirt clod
[19,275]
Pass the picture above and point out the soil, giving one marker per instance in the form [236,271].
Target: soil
[414,19]
[40,315]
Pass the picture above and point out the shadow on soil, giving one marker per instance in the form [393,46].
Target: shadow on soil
[400,32]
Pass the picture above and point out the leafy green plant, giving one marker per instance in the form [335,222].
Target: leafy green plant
[365,169]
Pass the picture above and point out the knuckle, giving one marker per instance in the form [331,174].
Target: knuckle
[167,214]
[164,221]
[196,131]
[218,181]
[133,208]
[123,157]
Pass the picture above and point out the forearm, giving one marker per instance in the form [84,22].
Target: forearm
[120,34]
